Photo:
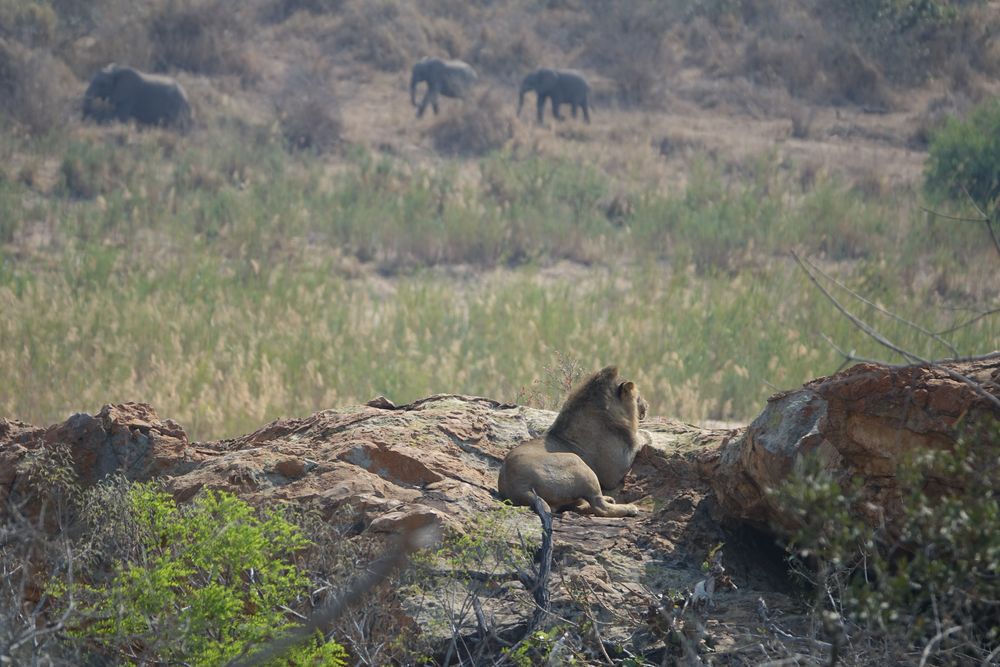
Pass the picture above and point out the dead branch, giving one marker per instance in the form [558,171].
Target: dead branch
[422,533]
[885,342]
[988,660]
[986,220]
[978,317]
[945,216]
[887,313]
[934,642]
[537,583]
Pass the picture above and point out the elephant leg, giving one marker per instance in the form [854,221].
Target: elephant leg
[123,111]
[555,109]
[434,95]
[574,109]
[586,113]
[423,103]
[541,108]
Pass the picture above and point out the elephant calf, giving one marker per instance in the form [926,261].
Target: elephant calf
[560,86]
[123,93]
[451,78]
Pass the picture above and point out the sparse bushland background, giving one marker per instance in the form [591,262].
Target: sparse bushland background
[309,244]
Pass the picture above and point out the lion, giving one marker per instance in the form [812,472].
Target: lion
[590,447]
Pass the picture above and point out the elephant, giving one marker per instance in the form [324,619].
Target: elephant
[123,93]
[451,78]
[561,86]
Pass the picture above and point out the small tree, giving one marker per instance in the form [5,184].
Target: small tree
[965,158]
[201,585]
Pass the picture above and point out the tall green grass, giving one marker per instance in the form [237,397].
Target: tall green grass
[223,281]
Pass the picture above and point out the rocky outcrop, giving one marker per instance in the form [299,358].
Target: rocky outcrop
[390,464]
[863,423]
[130,438]
[437,458]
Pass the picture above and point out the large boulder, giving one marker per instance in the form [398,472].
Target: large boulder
[129,437]
[863,424]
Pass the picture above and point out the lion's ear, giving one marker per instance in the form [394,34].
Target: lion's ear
[626,388]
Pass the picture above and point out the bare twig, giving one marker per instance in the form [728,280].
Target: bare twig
[422,533]
[858,322]
[934,641]
[848,356]
[885,342]
[987,220]
[978,317]
[887,313]
[938,214]
[796,659]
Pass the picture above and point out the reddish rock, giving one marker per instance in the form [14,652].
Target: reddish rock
[863,423]
[130,438]
[434,460]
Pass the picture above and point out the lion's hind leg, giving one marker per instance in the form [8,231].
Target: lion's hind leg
[601,507]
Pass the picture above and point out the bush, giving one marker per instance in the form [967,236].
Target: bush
[478,128]
[31,23]
[278,11]
[199,584]
[388,34]
[507,52]
[631,50]
[965,157]
[308,110]
[899,587]
[33,87]
[204,36]
[89,170]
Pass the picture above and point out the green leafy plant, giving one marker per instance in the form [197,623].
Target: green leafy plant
[201,584]
[929,584]
[965,157]
[536,648]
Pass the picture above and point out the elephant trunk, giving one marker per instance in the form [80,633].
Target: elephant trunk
[96,108]
[89,109]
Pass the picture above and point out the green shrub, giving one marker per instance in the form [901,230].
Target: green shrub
[199,583]
[900,587]
[965,157]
